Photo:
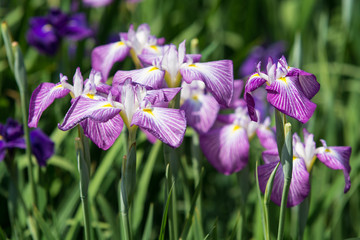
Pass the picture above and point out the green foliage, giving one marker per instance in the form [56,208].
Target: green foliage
[321,37]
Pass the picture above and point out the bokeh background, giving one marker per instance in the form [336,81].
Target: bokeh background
[318,36]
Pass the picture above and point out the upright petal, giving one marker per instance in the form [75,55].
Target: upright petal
[299,186]
[226,148]
[150,76]
[161,95]
[82,107]
[336,158]
[201,112]
[217,76]
[42,97]
[103,57]
[103,134]
[286,95]
[166,124]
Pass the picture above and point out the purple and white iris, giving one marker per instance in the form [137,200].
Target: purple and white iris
[305,154]
[45,33]
[12,136]
[135,42]
[288,89]
[175,65]
[137,106]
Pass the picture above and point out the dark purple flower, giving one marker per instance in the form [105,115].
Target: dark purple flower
[45,33]
[12,136]
[260,54]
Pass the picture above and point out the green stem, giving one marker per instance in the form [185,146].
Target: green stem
[83,159]
[284,142]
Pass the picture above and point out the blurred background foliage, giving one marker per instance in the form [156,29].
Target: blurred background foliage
[321,37]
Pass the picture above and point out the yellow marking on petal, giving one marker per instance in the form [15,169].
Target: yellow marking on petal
[195,97]
[327,150]
[1,137]
[192,65]
[148,110]
[154,48]
[236,127]
[283,79]
[58,86]
[120,43]
[153,68]
[107,105]
[294,158]
[89,95]
[255,75]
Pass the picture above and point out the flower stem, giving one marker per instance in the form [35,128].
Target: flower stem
[284,142]
[83,159]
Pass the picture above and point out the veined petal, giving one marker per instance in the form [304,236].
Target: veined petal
[226,148]
[271,155]
[299,186]
[266,135]
[254,82]
[307,82]
[217,76]
[201,112]
[103,57]
[82,107]
[42,97]
[149,136]
[103,134]
[149,76]
[192,58]
[166,124]
[286,95]
[336,158]
[161,95]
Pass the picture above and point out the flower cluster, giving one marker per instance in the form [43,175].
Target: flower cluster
[12,136]
[45,33]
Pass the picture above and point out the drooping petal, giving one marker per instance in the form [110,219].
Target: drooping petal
[254,82]
[149,136]
[336,158]
[161,95]
[83,107]
[150,76]
[299,186]
[271,155]
[226,148]
[238,87]
[286,95]
[103,134]
[266,135]
[201,112]
[41,146]
[103,57]
[166,124]
[42,97]
[217,76]
[307,82]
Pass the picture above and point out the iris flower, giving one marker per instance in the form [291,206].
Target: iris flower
[305,154]
[138,107]
[288,89]
[45,33]
[135,42]
[175,65]
[103,134]
[12,136]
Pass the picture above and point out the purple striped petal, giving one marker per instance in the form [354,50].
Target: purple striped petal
[164,95]
[271,155]
[226,148]
[42,97]
[307,82]
[217,76]
[336,158]
[166,124]
[103,57]
[149,136]
[82,107]
[299,186]
[266,135]
[286,95]
[254,82]
[103,134]
[150,76]
[201,112]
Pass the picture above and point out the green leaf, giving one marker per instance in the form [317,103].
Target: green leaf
[212,235]
[7,41]
[165,214]
[149,223]
[44,226]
